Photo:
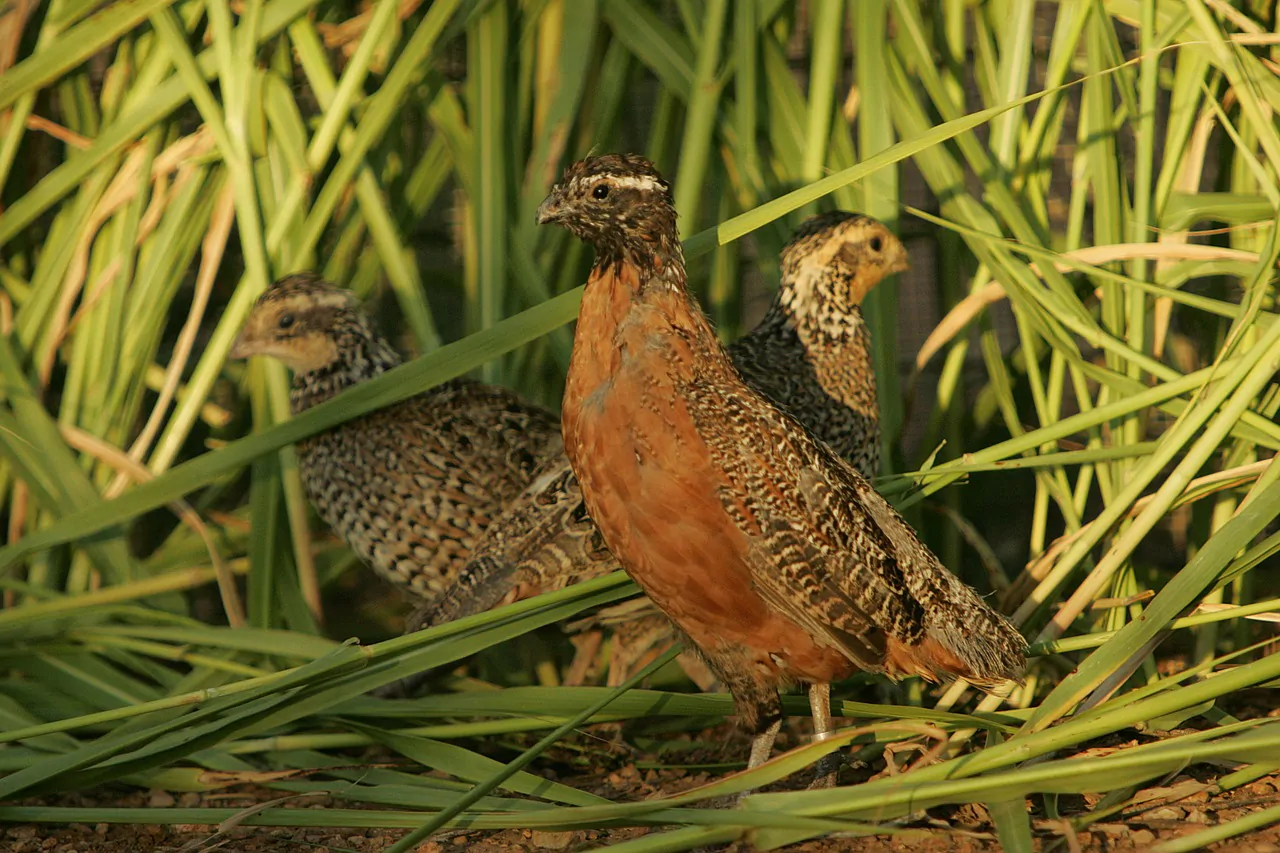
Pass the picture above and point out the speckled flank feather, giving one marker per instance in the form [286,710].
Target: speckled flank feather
[768,550]
[810,355]
[410,487]
[832,555]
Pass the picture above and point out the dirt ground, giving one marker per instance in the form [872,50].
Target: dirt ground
[964,830]
[1178,806]
[605,762]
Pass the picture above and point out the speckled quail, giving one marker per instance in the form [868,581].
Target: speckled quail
[410,487]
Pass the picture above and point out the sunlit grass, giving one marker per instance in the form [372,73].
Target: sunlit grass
[161,162]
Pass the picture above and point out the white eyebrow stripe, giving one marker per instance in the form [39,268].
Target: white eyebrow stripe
[631,182]
[331,299]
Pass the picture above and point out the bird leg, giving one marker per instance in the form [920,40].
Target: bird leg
[762,744]
[761,747]
[761,711]
[820,707]
[586,645]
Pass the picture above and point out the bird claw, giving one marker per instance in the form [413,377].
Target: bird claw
[928,755]
[823,782]
[827,769]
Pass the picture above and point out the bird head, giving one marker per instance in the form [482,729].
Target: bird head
[301,320]
[834,259]
[612,201]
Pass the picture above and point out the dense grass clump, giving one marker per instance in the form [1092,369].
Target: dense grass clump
[1090,197]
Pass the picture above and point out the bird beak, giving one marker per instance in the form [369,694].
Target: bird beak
[549,210]
[900,265]
[241,349]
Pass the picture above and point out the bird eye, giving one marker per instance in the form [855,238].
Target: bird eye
[876,244]
[601,191]
[285,321]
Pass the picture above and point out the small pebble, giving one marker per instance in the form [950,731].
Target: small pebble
[552,840]
[160,800]
[1142,838]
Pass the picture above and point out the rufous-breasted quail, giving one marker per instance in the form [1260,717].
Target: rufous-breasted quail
[773,555]
[810,355]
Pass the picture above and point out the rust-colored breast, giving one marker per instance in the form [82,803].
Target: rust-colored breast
[649,482]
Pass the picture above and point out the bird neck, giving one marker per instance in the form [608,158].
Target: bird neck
[634,292]
[661,280]
[362,355]
[651,245]
[837,344]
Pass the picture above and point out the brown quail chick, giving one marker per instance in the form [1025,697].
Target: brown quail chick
[773,555]
[410,487]
[810,355]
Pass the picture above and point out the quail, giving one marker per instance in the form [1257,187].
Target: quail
[810,355]
[776,558]
[411,487]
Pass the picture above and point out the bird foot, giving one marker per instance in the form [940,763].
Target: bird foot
[823,782]
[826,770]
[928,755]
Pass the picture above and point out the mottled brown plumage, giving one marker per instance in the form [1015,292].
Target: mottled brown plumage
[810,355]
[410,487]
[774,556]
